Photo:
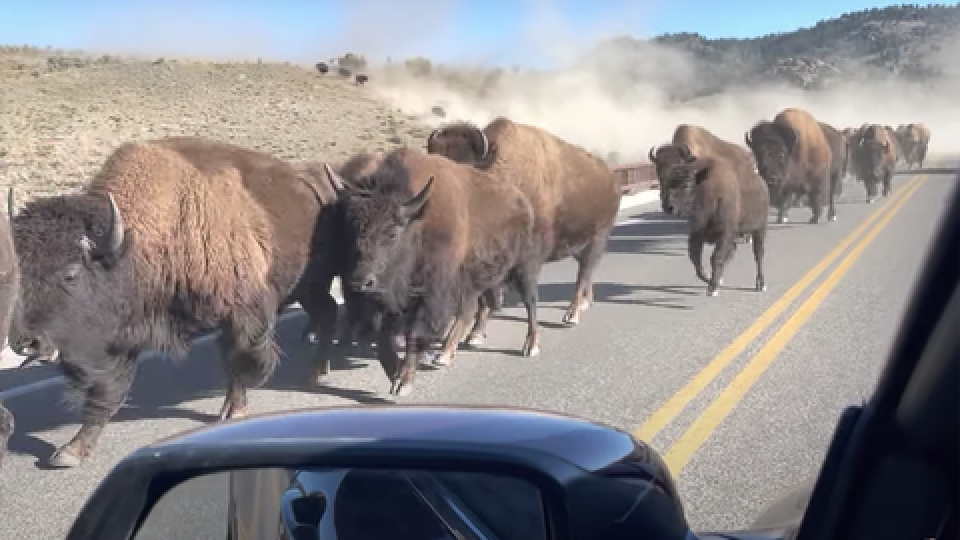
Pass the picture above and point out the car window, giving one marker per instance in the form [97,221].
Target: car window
[511,508]
[381,504]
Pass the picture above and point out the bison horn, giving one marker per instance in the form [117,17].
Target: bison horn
[115,235]
[335,181]
[433,134]
[11,206]
[653,154]
[746,138]
[415,204]
[486,144]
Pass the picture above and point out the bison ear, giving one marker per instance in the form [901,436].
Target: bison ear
[412,209]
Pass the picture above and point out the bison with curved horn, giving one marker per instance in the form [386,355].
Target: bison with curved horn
[425,237]
[874,160]
[172,238]
[575,195]
[794,159]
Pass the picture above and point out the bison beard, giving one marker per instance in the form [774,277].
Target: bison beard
[197,255]
[425,250]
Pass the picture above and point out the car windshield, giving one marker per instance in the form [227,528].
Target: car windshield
[699,225]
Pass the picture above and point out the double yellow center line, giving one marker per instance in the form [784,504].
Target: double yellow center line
[678,455]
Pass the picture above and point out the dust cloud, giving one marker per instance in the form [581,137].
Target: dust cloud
[611,97]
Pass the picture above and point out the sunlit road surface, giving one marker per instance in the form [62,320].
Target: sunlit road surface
[741,392]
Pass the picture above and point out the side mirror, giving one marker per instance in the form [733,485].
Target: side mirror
[399,471]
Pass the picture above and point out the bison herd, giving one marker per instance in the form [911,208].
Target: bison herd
[181,236]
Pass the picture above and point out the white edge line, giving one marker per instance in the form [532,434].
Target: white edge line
[10,360]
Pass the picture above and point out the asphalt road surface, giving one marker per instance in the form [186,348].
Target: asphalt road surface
[643,359]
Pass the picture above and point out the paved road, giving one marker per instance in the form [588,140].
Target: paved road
[651,332]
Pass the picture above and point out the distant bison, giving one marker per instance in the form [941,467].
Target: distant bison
[322,68]
[840,154]
[874,160]
[343,72]
[915,138]
[794,159]
[691,142]
[360,79]
[9,289]
[173,237]
[426,236]
[728,201]
[437,110]
[575,195]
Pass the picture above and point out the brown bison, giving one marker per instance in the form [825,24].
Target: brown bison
[173,237]
[575,195]
[794,159]
[690,142]
[360,79]
[322,68]
[425,250]
[895,141]
[728,201]
[874,159]
[840,153]
[9,289]
[914,138]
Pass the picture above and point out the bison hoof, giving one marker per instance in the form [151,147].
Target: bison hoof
[531,350]
[443,359]
[711,291]
[869,200]
[719,282]
[833,217]
[64,459]
[571,319]
[814,220]
[761,288]
[400,388]
[475,340]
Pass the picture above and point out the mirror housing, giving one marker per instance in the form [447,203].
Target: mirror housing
[595,481]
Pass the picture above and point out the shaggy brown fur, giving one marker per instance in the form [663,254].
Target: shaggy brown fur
[917,139]
[840,152]
[428,248]
[207,236]
[874,159]
[574,194]
[727,202]
[691,142]
[794,158]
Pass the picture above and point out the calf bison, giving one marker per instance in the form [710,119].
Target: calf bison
[9,289]
[575,195]
[794,159]
[322,68]
[840,154]
[690,142]
[425,250]
[874,160]
[727,202]
[173,237]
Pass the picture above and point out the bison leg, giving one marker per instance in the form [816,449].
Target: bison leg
[468,309]
[587,261]
[665,201]
[887,183]
[527,278]
[722,254]
[103,397]
[417,343]
[6,430]
[871,187]
[322,310]
[759,237]
[249,358]
[816,204]
[786,203]
[486,304]
[387,346]
[695,251]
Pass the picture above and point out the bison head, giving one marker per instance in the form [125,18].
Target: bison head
[379,230]
[774,146]
[872,153]
[673,179]
[462,142]
[75,273]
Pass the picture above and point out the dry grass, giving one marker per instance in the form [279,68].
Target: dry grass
[60,118]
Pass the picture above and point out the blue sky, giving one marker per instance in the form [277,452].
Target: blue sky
[501,31]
